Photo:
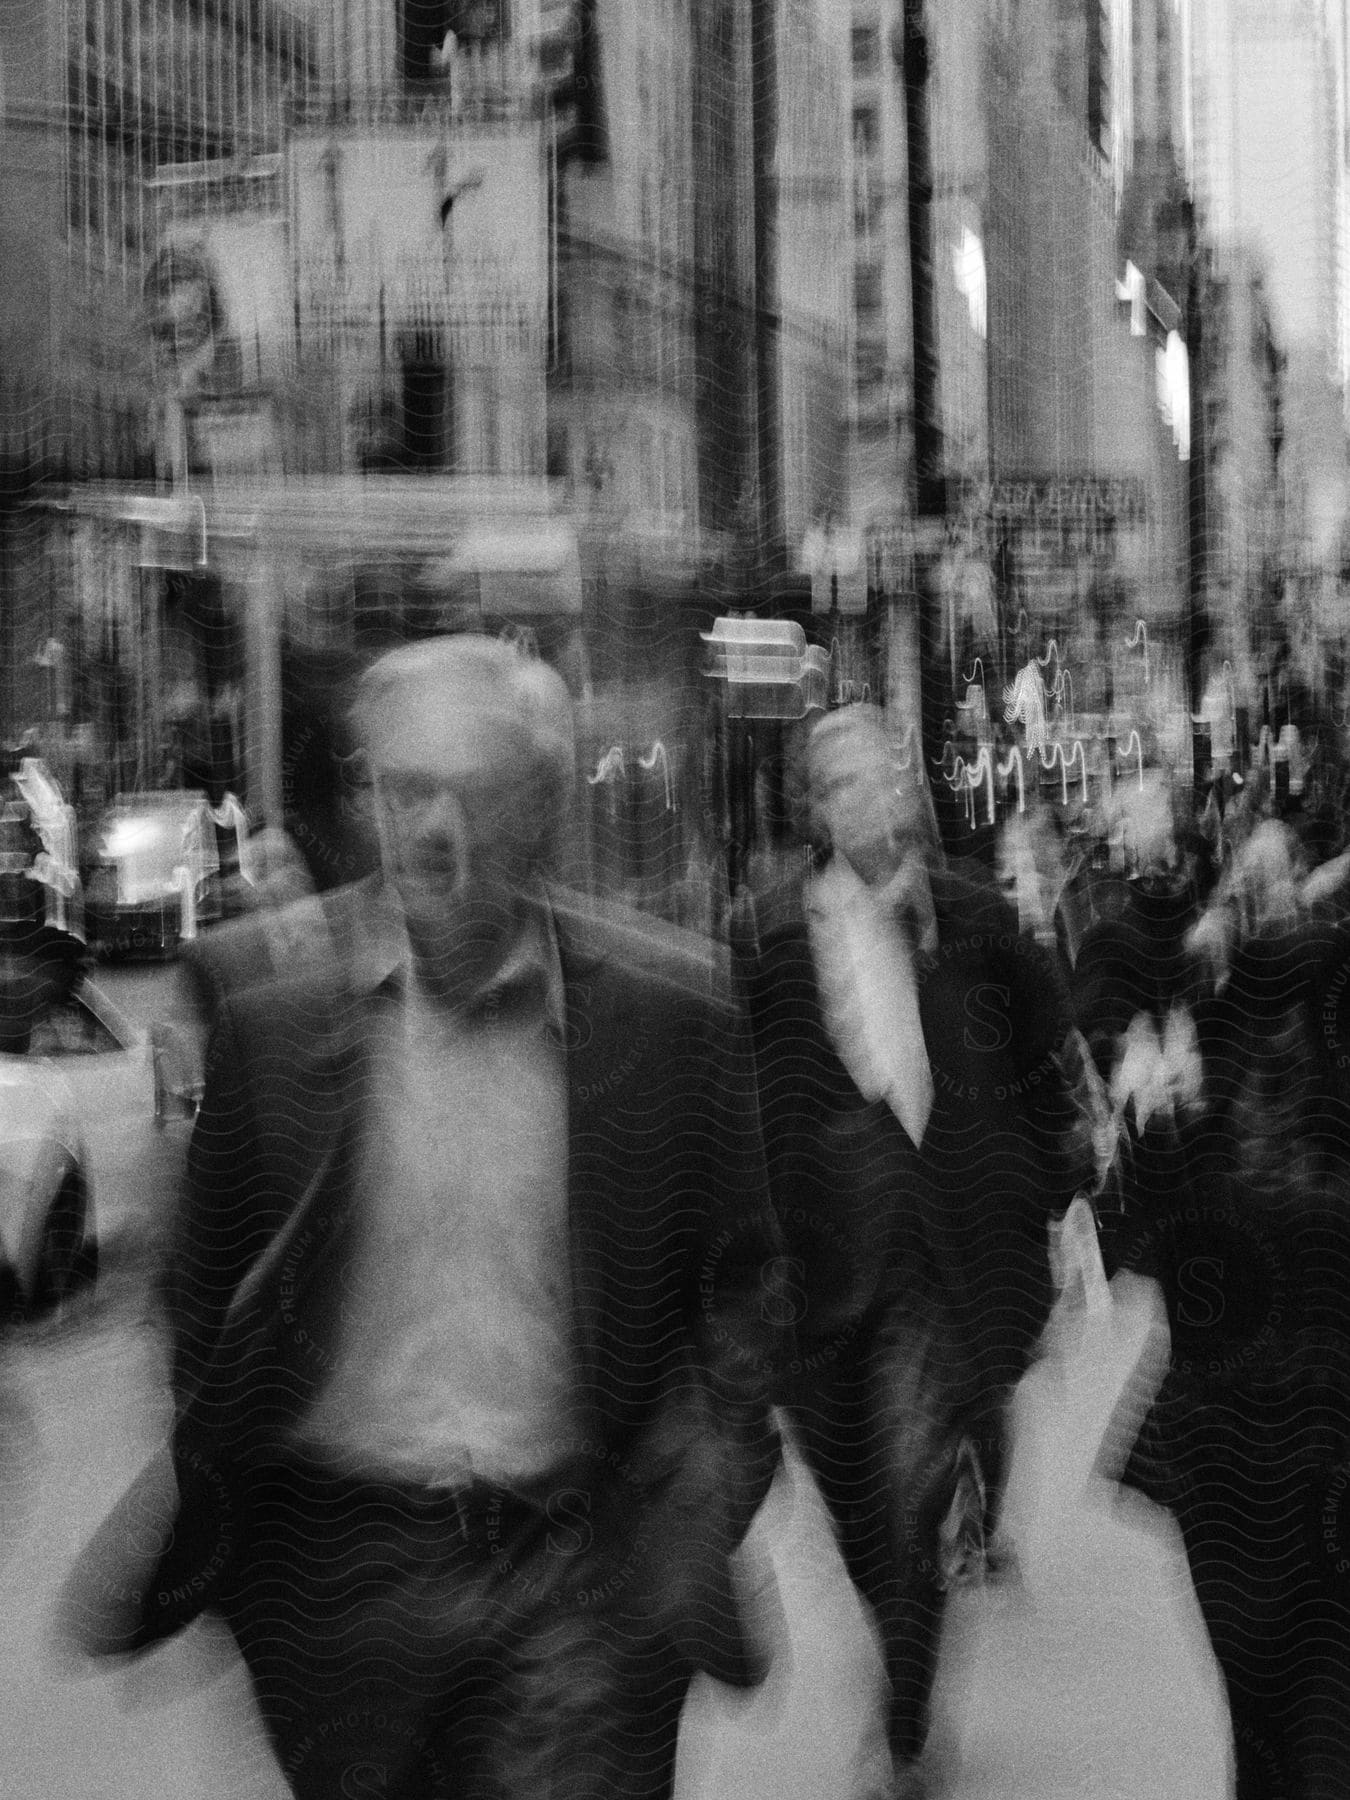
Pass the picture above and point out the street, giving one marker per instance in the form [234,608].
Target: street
[1089,1677]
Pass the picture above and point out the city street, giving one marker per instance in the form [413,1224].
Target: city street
[1088,1678]
[866,484]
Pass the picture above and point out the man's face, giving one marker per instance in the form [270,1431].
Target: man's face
[458,801]
[854,792]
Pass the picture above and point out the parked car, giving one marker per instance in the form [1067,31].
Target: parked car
[48,1240]
[156,875]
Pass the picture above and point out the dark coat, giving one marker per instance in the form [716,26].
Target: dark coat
[856,1202]
[920,1277]
[1241,1211]
[671,1242]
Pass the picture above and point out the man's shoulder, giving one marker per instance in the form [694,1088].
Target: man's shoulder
[284,972]
[969,905]
[979,929]
[598,935]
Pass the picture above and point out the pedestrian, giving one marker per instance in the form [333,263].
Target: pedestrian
[467,1301]
[920,1137]
[1238,1204]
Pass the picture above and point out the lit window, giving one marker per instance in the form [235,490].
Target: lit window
[968,265]
[1132,290]
[1174,391]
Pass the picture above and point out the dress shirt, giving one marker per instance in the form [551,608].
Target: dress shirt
[870,1001]
[455,1360]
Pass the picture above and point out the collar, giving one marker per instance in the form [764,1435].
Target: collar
[836,887]
[380,956]
[534,961]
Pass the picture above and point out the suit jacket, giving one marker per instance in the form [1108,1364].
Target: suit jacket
[671,1242]
[862,1211]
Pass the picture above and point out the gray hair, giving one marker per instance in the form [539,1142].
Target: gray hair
[868,726]
[490,676]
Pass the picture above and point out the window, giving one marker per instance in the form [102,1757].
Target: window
[866,50]
[870,369]
[422,29]
[866,206]
[423,26]
[646,209]
[1098,74]
[425,396]
[866,131]
[867,290]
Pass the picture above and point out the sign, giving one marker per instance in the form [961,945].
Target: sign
[1096,500]
[418,219]
[1052,516]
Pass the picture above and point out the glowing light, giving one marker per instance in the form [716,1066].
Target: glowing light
[968,264]
[1174,392]
[1132,289]
[128,837]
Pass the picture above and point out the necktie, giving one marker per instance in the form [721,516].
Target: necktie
[870,997]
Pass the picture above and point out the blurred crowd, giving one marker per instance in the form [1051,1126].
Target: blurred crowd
[520,1226]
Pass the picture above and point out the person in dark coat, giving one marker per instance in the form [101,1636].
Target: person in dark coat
[1239,1205]
[921,1135]
[468,1305]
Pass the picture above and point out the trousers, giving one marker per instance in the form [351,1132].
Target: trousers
[419,1644]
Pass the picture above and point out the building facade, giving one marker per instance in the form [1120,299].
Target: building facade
[1268,88]
[98,94]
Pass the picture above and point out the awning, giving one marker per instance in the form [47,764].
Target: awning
[504,537]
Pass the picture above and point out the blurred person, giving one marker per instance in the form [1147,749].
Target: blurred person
[1238,1204]
[920,1137]
[1262,890]
[1033,868]
[1264,878]
[467,1295]
[1138,967]
[1325,892]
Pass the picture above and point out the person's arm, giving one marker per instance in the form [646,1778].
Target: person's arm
[1049,1071]
[708,1455]
[219,1226]
[743,1312]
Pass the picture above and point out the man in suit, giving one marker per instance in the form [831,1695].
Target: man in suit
[920,1135]
[468,1300]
